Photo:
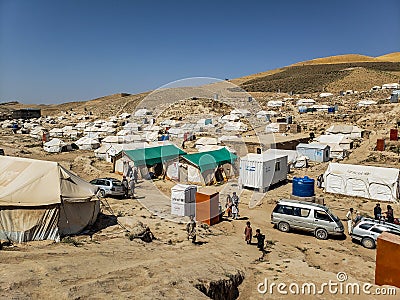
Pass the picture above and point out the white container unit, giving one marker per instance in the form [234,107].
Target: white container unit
[259,171]
[183,200]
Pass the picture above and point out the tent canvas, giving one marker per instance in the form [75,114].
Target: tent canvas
[153,155]
[42,200]
[201,167]
[370,182]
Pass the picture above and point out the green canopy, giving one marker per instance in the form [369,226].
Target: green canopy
[153,155]
[210,159]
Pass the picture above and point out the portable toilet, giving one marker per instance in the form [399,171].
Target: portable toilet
[183,200]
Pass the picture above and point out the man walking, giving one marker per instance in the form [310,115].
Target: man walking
[125,185]
[349,217]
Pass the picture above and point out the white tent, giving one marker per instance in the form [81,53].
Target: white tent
[235,126]
[38,132]
[275,103]
[56,132]
[87,143]
[142,112]
[54,146]
[363,181]
[241,113]
[176,132]
[349,131]
[364,103]
[337,139]
[264,114]
[324,95]
[124,115]
[305,102]
[41,200]
[295,159]
[230,118]
[391,86]
[206,141]
[108,151]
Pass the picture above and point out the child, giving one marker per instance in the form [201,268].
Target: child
[260,239]
[248,232]
[235,211]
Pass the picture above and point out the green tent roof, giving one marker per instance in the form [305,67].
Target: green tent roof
[154,155]
[210,159]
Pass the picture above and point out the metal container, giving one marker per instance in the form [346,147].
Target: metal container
[380,144]
[303,187]
[331,110]
[289,119]
[394,134]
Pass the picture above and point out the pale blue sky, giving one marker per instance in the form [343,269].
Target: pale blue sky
[55,51]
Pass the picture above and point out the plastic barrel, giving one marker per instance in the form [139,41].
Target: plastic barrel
[303,187]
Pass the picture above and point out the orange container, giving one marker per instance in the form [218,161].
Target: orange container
[387,268]
[207,206]
[380,144]
[394,134]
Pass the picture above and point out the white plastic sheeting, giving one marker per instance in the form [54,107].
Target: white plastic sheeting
[370,182]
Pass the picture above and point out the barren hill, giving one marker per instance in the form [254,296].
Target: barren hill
[357,72]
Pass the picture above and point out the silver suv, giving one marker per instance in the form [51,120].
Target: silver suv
[368,230]
[109,186]
[306,216]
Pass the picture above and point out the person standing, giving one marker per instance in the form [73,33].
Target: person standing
[135,174]
[349,217]
[389,214]
[377,211]
[191,229]
[235,212]
[228,205]
[248,233]
[125,185]
[235,203]
[132,187]
[260,239]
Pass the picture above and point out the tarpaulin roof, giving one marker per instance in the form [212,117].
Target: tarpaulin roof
[210,159]
[154,155]
[30,182]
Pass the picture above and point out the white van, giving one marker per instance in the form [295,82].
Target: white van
[307,216]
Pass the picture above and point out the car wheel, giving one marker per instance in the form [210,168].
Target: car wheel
[102,193]
[321,234]
[283,226]
[368,243]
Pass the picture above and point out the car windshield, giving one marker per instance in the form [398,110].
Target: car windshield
[336,219]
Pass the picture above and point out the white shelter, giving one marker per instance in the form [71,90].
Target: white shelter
[260,171]
[375,183]
[41,200]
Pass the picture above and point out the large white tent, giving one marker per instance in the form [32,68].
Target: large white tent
[87,143]
[349,131]
[41,200]
[363,181]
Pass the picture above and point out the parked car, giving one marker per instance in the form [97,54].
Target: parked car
[307,216]
[368,230]
[109,186]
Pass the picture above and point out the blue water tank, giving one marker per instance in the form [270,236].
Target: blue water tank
[331,109]
[303,187]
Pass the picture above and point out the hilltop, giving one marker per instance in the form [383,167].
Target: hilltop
[326,74]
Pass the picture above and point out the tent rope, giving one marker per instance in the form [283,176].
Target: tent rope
[110,210]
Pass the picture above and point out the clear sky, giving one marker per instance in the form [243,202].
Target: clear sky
[54,51]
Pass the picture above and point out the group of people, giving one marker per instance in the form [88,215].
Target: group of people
[387,216]
[248,235]
[389,213]
[232,206]
[130,185]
